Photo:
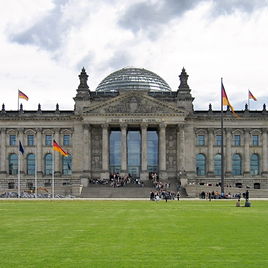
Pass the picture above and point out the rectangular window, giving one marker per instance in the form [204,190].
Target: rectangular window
[201,140]
[30,140]
[48,141]
[12,139]
[218,140]
[255,140]
[66,140]
[237,140]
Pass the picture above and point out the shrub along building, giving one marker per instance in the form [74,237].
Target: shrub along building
[133,123]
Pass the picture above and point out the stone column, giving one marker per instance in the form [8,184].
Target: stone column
[123,149]
[228,152]
[86,155]
[105,152]
[162,152]
[86,148]
[210,160]
[264,152]
[39,151]
[3,152]
[246,152]
[144,162]
[180,148]
[57,155]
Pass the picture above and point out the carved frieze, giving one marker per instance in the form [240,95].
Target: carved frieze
[133,104]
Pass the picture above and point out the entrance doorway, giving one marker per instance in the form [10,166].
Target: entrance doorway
[134,152]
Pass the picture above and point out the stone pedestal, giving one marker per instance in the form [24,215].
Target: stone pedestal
[105,175]
[84,182]
[144,175]
[163,175]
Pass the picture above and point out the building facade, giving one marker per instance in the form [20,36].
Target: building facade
[133,123]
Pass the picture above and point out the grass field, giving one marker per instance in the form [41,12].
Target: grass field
[133,234]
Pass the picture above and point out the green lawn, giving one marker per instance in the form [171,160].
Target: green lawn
[133,234]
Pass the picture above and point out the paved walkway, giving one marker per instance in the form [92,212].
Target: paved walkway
[122,199]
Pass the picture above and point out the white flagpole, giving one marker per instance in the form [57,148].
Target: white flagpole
[18,168]
[248,100]
[18,101]
[35,172]
[53,178]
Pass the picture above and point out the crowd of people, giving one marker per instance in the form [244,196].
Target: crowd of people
[32,195]
[164,195]
[115,180]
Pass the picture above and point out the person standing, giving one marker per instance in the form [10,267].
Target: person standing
[178,196]
[209,196]
[247,195]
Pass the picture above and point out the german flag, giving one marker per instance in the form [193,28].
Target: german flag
[57,148]
[225,100]
[250,96]
[23,96]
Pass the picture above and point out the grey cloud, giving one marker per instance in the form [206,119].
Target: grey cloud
[86,61]
[149,17]
[119,60]
[49,32]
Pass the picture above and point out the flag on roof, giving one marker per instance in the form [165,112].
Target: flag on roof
[23,96]
[225,100]
[251,96]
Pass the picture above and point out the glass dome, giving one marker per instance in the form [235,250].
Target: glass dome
[133,79]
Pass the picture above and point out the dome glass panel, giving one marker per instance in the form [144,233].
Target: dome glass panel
[133,79]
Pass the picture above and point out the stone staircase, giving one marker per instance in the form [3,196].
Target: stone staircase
[102,191]
[128,191]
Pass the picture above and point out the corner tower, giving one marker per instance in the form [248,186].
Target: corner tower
[184,97]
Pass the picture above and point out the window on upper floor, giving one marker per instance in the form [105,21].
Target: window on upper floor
[201,140]
[237,140]
[218,140]
[48,140]
[12,139]
[66,140]
[255,140]
[30,140]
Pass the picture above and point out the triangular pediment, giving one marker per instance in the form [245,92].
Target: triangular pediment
[133,103]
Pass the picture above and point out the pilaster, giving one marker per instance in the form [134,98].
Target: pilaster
[210,152]
[123,149]
[3,151]
[228,152]
[144,162]
[264,153]
[162,151]
[246,152]
[105,152]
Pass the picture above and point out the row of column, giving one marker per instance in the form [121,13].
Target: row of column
[228,152]
[123,127]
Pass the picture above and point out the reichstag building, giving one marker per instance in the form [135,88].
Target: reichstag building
[133,123]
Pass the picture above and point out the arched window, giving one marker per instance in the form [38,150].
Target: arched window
[48,164]
[200,165]
[30,164]
[236,164]
[254,164]
[67,165]
[217,164]
[13,164]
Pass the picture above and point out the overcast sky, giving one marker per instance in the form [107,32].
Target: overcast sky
[45,43]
